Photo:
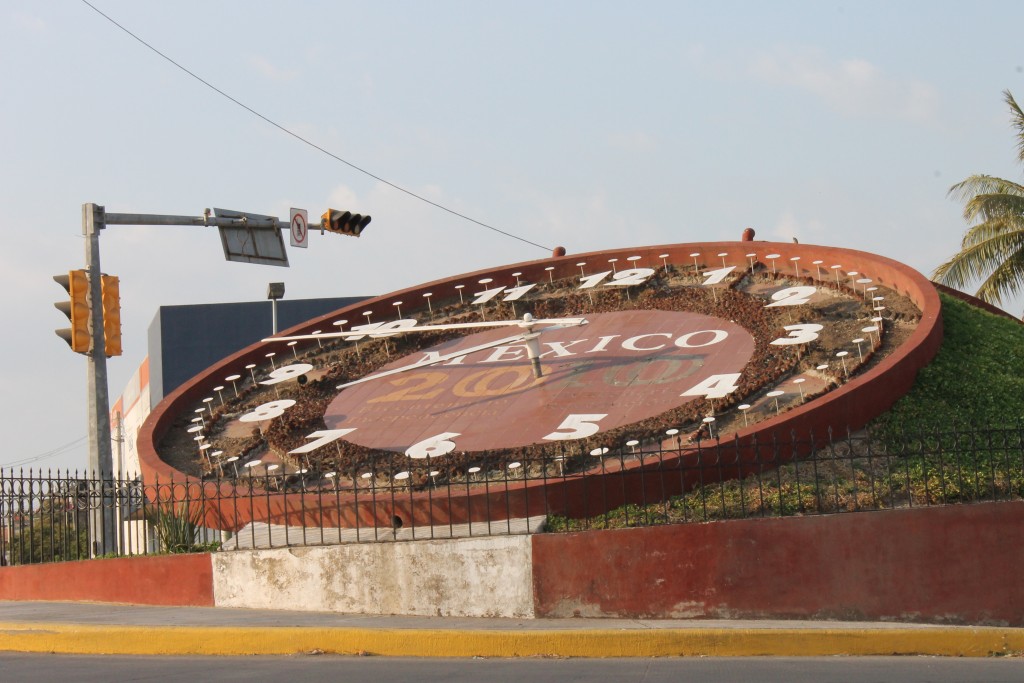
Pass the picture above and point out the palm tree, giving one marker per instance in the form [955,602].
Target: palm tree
[993,248]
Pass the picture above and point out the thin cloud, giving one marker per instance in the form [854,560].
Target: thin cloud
[787,227]
[30,22]
[343,196]
[270,71]
[567,217]
[853,86]
[635,141]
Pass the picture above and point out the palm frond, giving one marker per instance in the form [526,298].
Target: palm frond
[1009,229]
[984,184]
[1007,279]
[992,250]
[987,207]
[1017,120]
[992,246]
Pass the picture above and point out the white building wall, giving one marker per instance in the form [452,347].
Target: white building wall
[128,413]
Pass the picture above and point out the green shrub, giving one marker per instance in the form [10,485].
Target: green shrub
[176,527]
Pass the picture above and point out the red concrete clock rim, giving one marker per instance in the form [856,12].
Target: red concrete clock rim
[849,406]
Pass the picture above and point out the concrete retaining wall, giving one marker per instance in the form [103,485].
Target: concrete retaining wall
[473,577]
[956,564]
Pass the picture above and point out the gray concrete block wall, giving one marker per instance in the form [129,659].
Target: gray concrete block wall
[472,577]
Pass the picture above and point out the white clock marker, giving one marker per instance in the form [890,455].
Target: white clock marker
[577,426]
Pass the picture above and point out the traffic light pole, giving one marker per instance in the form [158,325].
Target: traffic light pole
[94,220]
[103,518]
[102,522]
[103,525]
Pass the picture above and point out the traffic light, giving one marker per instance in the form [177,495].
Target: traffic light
[110,291]
[77,309]
[344,222]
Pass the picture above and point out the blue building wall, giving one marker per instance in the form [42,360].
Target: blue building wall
[185,340]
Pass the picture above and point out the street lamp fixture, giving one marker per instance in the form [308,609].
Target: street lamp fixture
[275,291]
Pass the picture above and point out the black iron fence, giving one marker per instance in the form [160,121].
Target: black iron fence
[46,517]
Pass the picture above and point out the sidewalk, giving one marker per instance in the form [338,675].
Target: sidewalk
[90,628]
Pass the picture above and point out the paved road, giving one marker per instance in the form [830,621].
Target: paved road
[43,668]
[103,629]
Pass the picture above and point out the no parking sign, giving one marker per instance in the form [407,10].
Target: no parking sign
[299,228]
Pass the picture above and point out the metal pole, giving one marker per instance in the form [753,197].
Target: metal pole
[100,457]
[119,505]
[214,221]
[273,315]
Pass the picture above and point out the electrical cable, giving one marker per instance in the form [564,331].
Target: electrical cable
[59,450]
[309,142]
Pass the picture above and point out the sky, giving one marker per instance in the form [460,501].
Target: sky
[579,123]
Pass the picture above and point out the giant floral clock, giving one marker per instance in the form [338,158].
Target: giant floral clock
[557,360]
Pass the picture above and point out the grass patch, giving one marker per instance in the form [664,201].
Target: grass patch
[956,437]
[976,380]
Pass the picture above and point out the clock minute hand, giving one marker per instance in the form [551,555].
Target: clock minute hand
[426,362]
[527,322]
[528,336]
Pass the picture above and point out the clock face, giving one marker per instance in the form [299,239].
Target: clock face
[620,368]
[566,355]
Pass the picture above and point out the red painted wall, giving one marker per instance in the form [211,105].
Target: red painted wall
[959,564]
[179,580]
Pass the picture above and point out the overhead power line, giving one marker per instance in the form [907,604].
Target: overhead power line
[306,141]
[59,450]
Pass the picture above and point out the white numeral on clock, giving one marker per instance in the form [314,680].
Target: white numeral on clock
[378,330]
[515,293]
[322,438]
[716,276]
[577,426]
[268,411]
[715,386]
[628,278]
[287,372]
[433,447]
[486,295]
[511,294]
[623,278]
[593,280]
[791,296]
[799,334]
[402,324]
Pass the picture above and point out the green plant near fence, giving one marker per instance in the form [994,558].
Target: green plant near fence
[177,527]
[50,539]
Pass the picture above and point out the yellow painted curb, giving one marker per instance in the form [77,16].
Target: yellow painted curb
[717,642]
